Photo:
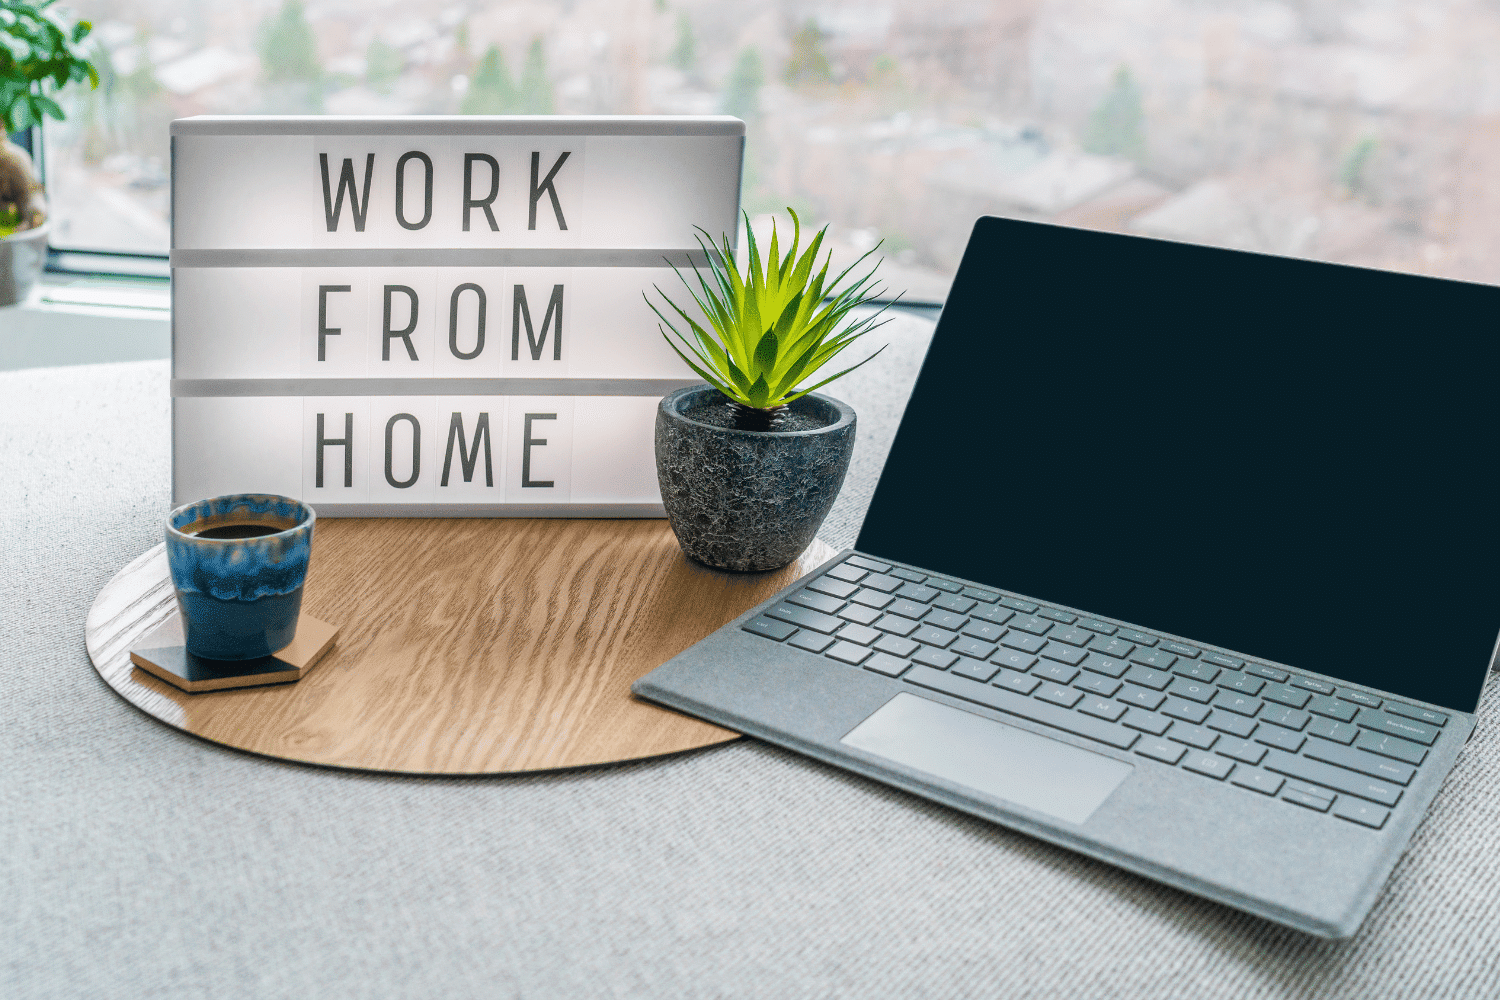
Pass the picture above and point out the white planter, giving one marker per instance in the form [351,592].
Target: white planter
[22,257]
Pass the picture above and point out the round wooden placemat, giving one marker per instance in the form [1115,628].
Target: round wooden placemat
[467,646]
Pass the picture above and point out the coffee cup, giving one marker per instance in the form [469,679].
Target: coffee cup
[238,563]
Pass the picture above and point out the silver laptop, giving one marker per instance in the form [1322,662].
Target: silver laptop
[1183,558]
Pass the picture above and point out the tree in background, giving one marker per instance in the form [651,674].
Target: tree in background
[742,89]
[536,89]
[491,90]
[684,54]
[289,61]
[1118,125]
[383,66]
[807,63]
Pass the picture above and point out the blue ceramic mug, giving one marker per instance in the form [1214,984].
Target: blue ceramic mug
[238,563]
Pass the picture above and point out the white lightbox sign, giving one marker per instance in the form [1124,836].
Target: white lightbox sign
[434,316]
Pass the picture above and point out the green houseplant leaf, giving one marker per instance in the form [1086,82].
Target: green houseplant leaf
[773,327]
[36,48]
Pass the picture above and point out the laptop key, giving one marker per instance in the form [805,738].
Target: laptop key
[1287,718]
[1337,778]
[872,598]
[859,614]
[1362,813]
[882,583]
[1020,683]
[1360,698]
[1032,624]
[848,652]
[1245,752]
[869,564]
[1142,638]
[1157,749]
[1115,648]
[1018,604]
[1104,628]
[1058,695]
[1235,725]
[946,586]
[1209,765]
[884,663]
[1193,736]
[1306,800]
[1059,672]
[1283,739]
[908,575]
[896,625]
[1142,697]
[1269,673]
[1237,703]
[1153,658]
[813,642]
[1312,684]
[1285,694]
[1063,654]
[833,588]
[983,630]
[1023,640]
[761,625]
[1146,722]
[1185,710]
[954,603]
[976,670]
[1180,649]
[1015,659]
[1224,661]
[987,596]
[1192,690]
[1099,685]
[1390,746]
[847,573]
[907,609]
[916,592]
[1339,732]
[1343,711]
[998,616]
[1395,725]
[861,634]
[818,602]
[1026,708]
[806,618]
[967,646]
[946,619]
[930,636]
[1359,760]
[1106,665]
[896,646]
[1072,636]
[1198,670]
[1257,781]
[1057,616]
[1242,683]
[1146,677]
[1420,714]
[1102,708]
[936,658]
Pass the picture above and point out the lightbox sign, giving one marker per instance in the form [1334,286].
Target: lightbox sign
[433,316]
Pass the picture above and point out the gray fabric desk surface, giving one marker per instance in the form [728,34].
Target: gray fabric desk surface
[137,861]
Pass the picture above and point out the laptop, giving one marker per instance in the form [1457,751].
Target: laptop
[1183,558]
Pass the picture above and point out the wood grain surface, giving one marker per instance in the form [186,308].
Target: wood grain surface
[467,646]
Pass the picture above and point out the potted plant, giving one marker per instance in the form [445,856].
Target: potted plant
[35,49]
[750,463]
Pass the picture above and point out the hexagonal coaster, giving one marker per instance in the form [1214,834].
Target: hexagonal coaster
[161,653]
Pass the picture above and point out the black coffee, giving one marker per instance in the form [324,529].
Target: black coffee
[238,531]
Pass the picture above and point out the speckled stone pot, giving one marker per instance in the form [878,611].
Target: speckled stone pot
[749,500]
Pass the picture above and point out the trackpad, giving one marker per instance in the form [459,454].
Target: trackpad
[990,757]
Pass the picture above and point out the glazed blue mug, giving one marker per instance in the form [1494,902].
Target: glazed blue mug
[238,563]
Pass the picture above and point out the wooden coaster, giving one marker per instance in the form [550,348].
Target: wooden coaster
[468,646]
[162,654]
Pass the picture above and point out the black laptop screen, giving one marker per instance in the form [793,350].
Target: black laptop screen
[1291,459]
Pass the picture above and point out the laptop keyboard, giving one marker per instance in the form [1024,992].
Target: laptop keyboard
[1260,728]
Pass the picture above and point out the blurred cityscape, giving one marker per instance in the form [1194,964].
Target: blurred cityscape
[1360,131]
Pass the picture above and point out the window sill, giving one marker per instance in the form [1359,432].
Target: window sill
[87,321]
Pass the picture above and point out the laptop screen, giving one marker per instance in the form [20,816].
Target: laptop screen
[1294,460]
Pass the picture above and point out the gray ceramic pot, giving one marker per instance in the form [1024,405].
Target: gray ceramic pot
[22,256]
[749,500]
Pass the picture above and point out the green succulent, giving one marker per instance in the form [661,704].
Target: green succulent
[776,326]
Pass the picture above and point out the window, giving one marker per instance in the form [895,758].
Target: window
[1361,131]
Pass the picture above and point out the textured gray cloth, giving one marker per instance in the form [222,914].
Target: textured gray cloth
[137,861]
